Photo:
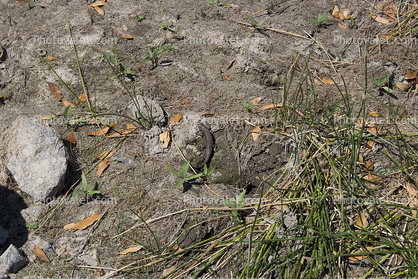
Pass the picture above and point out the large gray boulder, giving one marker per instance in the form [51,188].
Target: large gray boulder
[36,158]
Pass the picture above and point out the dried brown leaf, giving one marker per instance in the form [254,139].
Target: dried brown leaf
[185,103]
[343,26]
[103,166]
[115,135]
[255,132]
[40,254]
[125,36]
[360,157]
[404,87]
[83,98]
[131,250]
[98,4]
[227,77]
[405,112]
[369,165]
[411,190]
[100,132]
[229,5]
[336,13]
[51,58]
[55,90]
[71,138]
[371,177]
[165,138]
[255,101]
[172,268]
[411,75]
[100,10]
[329,81]
[230,63]
[270,106]
[68,104]
[103,154]
[380,19]
[81,225]
[375,114]
[361,220]
[176,118]
[346,14]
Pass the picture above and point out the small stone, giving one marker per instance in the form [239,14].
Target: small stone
[37,158]
[148,108]
[12,260]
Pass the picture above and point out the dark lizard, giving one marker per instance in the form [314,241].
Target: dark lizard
[209,143]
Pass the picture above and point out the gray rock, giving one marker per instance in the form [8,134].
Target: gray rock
[32,213]
[37,158]
[12,260]
[4,235]
[148,108]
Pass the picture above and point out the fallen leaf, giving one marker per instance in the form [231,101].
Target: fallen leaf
[81,225]
[125,36]
[176,118]
[346,14]
[375,114]
[100,10]
[404,87]
[83,98]
[103,154]
[131,250]
[371,177]
[71,137]
[229,5]
[413,204]
[369,146]
[360,157]
[361,219]
[98,4]
[68,104]
[256,100]
[227,77]
[372,129]
[343,26]
[55,90]
[172,268]
[185,103]
[100,132]
[405,112]
[381,19]
[329,81]
[336,13]
[256,132]
[270,106]
[369,165]
[411,75]
[46,117]
[230,63]
[411,190]
[360,257]
[114,135]
[40,254]
[103,166]
[130,127]
[357,258]
[165,138]
[51,58]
